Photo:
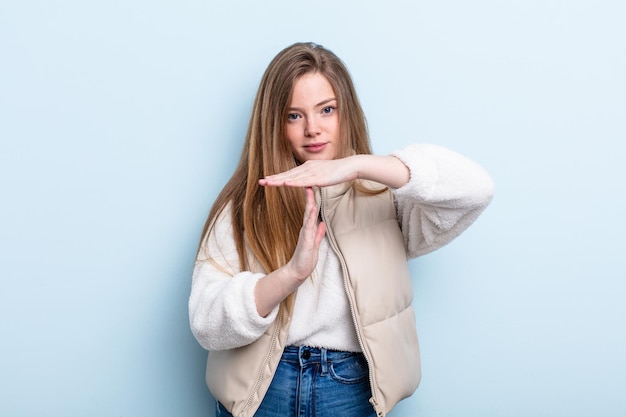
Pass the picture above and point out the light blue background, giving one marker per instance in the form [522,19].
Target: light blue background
[121,120]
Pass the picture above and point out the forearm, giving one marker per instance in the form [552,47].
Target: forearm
[272,289]
[387,170]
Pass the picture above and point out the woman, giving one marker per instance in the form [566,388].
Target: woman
[346,345]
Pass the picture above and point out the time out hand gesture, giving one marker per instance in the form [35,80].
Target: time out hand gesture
[277,285]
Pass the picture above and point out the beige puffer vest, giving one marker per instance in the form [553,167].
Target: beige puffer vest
[363,230]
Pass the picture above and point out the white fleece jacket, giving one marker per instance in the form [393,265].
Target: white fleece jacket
[445,194]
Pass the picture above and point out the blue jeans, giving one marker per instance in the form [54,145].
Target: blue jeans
[312,382]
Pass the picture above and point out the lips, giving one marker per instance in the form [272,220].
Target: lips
[316,147]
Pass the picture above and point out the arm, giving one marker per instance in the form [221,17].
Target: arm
[439,193]
[222,309]
[275,287]
[229,308]
[445,194]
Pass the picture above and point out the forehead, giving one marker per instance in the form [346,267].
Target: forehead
[311,88]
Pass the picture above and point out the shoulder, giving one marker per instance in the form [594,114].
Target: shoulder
[219,237]
[223,223]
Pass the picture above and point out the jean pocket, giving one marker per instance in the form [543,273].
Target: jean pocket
[352,370]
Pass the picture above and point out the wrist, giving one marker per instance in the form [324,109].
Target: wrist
[358,166]
[290,276]
[387,170]
[272,289]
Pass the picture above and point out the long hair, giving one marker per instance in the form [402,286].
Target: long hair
[267,220]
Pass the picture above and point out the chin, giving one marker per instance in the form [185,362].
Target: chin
[326,156]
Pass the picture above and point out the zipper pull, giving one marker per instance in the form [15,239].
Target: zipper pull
[377,409]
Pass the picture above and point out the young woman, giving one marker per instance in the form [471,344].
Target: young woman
[301,290]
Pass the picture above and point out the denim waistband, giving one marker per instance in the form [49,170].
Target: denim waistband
[310,355]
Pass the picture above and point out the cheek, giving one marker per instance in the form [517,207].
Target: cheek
[332,122]
[332,128]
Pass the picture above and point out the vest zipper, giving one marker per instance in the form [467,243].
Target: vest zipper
[342,261]
[270,352]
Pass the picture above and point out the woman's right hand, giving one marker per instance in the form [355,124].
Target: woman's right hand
[276,286]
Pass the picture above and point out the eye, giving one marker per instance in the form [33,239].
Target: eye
[293,116]
[328,109]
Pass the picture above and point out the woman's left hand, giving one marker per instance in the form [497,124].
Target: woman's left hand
[387,170]
[315,173]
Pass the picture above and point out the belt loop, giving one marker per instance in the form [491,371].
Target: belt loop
[301,350]
[324,361]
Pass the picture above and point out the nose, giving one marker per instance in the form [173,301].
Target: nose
[311,128]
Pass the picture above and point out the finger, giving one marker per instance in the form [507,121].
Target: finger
[270,182]
[300,176]
[279,177]
[287,182]
[321,231]
[308,218]
[310,210]
[310,195]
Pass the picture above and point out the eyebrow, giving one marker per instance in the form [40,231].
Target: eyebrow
[321,103]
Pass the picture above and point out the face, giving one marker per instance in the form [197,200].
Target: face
[312,125]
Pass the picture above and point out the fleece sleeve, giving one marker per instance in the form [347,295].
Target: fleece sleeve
[222,308]
[446,192]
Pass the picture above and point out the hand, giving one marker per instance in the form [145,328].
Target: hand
[315,173]
[304,258]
